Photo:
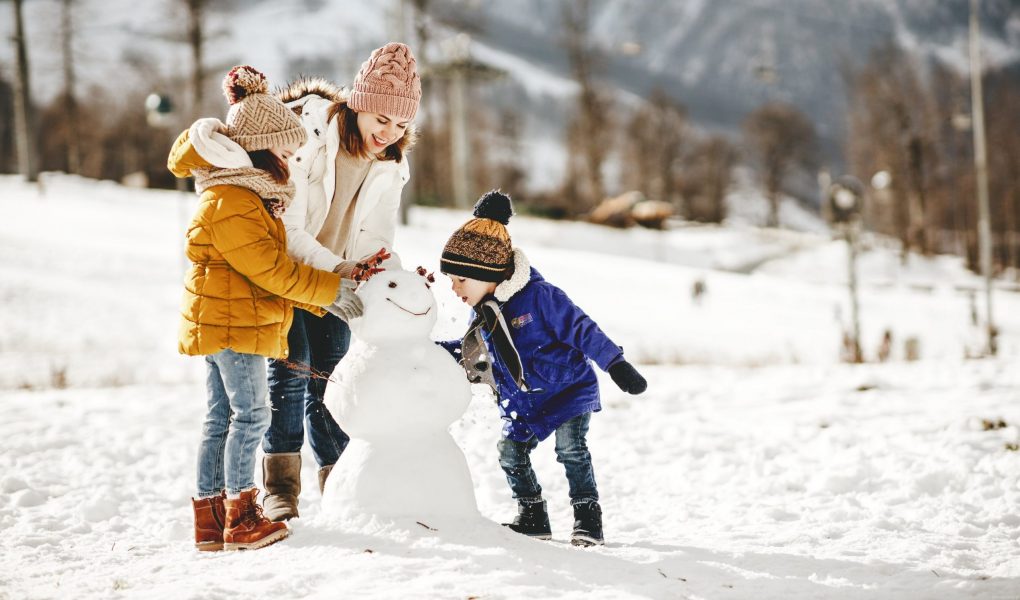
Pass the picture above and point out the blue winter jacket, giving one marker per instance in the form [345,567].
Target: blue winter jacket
[556,341]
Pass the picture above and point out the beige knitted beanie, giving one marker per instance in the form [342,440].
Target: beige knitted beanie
[258,120]
[388,83]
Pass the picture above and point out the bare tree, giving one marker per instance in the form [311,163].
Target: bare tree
[196,41]
[707,175]
[7,144]
[893,129]
[781,139]
[70,99]
[656,137]
[24,114]
[589,133]
[423,182]
[1004,166]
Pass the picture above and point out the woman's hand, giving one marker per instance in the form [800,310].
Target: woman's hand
[369,266]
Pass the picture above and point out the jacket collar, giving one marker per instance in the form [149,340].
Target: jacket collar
[520,278]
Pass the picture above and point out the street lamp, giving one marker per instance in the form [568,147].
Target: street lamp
[158,109]
[846,203]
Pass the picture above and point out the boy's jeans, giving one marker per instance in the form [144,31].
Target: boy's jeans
[571,452]
[295,396]
[237,418]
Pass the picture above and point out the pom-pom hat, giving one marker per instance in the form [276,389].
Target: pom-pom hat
[258,120]
[481,248]
[388,83]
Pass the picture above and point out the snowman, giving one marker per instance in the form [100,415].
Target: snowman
[396,393]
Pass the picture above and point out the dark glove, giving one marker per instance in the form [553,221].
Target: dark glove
[627,378]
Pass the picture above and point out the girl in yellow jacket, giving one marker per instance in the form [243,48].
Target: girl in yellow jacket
[239,295]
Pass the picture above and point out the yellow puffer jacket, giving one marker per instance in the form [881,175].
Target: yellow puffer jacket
[241,287]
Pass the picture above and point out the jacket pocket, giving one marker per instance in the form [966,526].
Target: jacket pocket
[558,363]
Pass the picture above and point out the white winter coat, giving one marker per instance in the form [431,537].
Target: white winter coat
[313,171]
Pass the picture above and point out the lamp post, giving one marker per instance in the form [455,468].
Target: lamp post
[159,113]
[846,201]
[981,170]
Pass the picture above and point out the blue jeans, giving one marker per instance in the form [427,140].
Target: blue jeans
[571,452]
[296,395]
[237,418]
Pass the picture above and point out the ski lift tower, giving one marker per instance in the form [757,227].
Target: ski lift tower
[460,70]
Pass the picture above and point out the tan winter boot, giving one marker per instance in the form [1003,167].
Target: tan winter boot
[209,518]
[281,476]
[246,527]
[323,475]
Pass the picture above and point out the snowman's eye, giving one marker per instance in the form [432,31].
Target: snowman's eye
[393,284]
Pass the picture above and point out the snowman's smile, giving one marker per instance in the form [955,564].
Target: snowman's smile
[408,311]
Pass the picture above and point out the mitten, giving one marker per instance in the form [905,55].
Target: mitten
[627,378]
[347,304]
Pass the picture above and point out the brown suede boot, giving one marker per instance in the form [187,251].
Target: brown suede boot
[246,527]
[323,475]
[209,518]
[281,475]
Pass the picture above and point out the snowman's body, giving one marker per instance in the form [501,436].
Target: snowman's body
[396,393]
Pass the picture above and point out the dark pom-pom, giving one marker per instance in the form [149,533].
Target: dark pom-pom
[495,205]
[243,81]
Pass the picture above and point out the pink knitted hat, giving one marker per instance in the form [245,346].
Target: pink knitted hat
[388,83]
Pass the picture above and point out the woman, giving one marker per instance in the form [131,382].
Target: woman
[349,177]
[238,295]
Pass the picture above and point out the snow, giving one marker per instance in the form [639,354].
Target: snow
[756,465]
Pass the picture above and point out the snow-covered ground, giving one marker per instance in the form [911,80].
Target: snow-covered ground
[756,466]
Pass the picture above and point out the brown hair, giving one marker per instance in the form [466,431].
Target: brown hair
[350,137]
[267,161]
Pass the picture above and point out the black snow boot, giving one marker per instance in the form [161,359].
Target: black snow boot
[532,520]
[587,524]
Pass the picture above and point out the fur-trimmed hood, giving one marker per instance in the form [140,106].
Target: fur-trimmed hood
[311,86]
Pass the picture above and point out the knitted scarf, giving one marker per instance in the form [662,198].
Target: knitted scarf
[275,196]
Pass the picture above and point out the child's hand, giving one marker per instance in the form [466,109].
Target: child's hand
[627,378]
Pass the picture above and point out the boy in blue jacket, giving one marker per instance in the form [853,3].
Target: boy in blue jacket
[533,346]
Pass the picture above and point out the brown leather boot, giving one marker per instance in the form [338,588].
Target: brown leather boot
[323,476]
[246,527]
[209,518]
[281,475]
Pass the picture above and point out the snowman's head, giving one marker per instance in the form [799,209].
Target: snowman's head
[398,305]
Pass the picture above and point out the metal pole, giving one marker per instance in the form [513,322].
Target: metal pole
[981,168]
[459,137]
[855,312]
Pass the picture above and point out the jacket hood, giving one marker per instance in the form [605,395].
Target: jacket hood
[205,146]
[311,86]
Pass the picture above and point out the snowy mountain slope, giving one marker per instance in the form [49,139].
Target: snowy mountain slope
[709,55]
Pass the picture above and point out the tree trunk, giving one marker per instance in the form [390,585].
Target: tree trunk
[195,40]
[70,101]
[24,114]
